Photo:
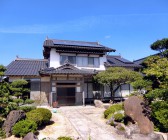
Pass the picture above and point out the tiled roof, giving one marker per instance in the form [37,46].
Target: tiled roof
[56,42]
[26,67]
[70,46]
[118,61]
[67,68]
[140,61]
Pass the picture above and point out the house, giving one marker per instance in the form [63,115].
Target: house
[66,72]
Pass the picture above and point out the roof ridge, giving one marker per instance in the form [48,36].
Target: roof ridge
[76,41]
[114,56]
[30,59]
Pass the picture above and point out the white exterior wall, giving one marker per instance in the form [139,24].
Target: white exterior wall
[54,58]
[101,62]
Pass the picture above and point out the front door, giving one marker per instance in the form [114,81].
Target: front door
[66,93]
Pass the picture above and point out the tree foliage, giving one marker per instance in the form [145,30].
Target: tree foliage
[19,88]
[116,76]
[156,70]
[9,92]
[160,45]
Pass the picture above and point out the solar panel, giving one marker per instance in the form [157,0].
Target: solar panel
[77,43]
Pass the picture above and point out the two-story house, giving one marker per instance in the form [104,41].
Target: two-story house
[66,72]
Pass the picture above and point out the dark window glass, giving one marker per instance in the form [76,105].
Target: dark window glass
[71,59]
[63,58]
[35,85]
[91,61]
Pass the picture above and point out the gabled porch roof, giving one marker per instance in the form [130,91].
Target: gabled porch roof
[67,68]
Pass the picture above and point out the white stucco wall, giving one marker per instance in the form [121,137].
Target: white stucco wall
[54,58]
[101,61]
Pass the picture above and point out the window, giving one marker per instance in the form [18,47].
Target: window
[71,59]
[82,61]
[91,61]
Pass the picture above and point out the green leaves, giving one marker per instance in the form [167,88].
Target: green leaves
[160,45]
[2,70]
[117,76]
[157,70]
[18,87]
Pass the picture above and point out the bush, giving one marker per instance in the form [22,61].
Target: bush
[21,128]
[112,109]
[64,138]
[28,101]
[40,116]
[160,115]
[119,117]
[112,123]
[26,108]
[2,134]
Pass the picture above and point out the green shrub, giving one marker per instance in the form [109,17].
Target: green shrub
[28,101]
[21,128]
[2,134]
[64,138]
[46,114]
[26,108]
[160,115]
[40,116]
[119,117]
[112,109]
[112,123]
[18,101]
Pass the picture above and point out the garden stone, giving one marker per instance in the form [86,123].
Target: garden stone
[12,118]
[121,128]
[151,136]
[30,136]
[98,104]
[133,108]
[130,130]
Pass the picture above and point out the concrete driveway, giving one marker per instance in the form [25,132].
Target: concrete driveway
[89,123]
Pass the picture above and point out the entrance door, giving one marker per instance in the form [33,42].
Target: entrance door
[66,93]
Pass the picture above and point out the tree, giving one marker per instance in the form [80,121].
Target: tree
[156,70]
[6,102]
[116,76]
[160,45]
[9,93]
[19,88]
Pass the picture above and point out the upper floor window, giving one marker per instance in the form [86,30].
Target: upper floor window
[81,61]
[71,59]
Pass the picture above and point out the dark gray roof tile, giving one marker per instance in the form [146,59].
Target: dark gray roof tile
[118,61]
[26,67]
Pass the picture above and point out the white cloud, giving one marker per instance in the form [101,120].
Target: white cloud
[80,24]
[107,37]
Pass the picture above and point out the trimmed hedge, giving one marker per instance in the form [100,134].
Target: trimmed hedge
[40,116]
[21,128]
[64,138]
[26,108]
[112,109]
[119,117]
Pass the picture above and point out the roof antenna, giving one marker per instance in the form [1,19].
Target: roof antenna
[46,37]
[17,57]
[120,55]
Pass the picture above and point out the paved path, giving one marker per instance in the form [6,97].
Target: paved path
[84,121]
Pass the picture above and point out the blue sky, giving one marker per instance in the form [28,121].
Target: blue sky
[127,26]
